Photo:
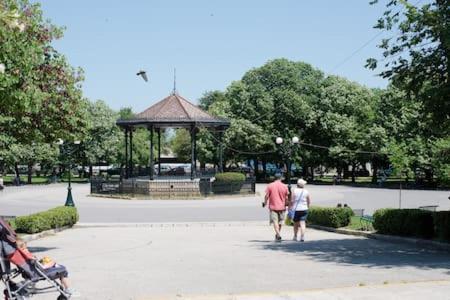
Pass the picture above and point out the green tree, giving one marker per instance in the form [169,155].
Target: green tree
[101,142]
[417,57]
[181,145]
[40,92]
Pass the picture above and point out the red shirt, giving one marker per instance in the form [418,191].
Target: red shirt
[277,193]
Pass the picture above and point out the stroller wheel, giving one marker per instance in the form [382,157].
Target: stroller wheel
[61,297]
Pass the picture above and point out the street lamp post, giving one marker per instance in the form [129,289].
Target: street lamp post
[287,149]
[67,152]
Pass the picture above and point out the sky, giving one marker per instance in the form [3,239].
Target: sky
[210,42]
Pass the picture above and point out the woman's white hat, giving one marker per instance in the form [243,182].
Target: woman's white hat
[301,182]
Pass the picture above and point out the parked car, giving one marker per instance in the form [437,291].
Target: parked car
[178,171]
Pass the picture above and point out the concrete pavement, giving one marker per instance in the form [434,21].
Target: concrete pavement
[239,260]
[28,199]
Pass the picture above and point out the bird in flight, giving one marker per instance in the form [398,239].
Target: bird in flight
[143,74]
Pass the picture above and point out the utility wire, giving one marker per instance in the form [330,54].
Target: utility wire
[302,143]
[365,44]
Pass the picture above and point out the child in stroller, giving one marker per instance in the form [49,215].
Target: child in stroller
[32,271]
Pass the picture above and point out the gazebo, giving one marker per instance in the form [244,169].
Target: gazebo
[173,111]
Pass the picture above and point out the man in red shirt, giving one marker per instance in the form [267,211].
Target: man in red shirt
[277,195]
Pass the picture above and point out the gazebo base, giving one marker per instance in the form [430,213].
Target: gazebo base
[168,188]
[162,188]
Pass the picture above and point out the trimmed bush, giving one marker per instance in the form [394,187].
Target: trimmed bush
[230,177]
[404,222]
[442,225]
[330,216]
[228,182]
[51,219]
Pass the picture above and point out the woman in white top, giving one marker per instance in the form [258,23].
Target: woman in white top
[300,202]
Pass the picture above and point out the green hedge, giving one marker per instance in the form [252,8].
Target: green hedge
[330,216]
[228,182]
[227,177]
[50,219]
[404,222]
[442,225]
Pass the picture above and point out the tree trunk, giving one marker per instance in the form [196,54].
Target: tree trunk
[353,173]
[305,171]
[312,173]
[17,178]
[374,172]
[264,165]
[30,173]
[255,161]
[90,170]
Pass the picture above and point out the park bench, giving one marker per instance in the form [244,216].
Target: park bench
[7,218]
[366,220]
[429,207]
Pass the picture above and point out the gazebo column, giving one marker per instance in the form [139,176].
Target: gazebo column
[152,166]
[126,152]
[159,151]
[193,137]
[131,153]
[221,151]
[195,151]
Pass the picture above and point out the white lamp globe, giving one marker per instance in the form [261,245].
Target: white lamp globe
[295,140]
[279,140]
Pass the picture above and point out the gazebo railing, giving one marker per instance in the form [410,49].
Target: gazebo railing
[170,187]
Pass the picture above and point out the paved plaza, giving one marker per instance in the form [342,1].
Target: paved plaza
[239,260]
[222,248]
[28,199]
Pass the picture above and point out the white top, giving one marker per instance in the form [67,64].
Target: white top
[299,199]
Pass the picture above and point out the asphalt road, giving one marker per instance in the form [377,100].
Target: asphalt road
[29,199]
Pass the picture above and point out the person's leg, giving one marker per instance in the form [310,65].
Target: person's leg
[302,230]
[296,225]
[277,219]
[276,227]
[64,282]
[274,220]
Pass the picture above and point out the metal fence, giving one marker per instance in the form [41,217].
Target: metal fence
[170,188]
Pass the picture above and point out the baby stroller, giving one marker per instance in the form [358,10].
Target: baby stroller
[24,281]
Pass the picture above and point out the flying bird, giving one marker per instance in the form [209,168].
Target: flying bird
[143,74]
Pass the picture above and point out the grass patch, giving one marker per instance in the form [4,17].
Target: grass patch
[8,179]
[355,224]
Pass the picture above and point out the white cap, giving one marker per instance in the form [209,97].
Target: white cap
[301,182]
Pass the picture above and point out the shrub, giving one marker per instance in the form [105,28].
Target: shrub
[330,216]
[230,177]
[442,225]
[50,219]
[404,222]
[228,182]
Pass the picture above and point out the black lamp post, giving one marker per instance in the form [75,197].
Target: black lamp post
[68,153]
[287,149]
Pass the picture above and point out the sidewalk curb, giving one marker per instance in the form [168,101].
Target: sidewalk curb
[39,235]
[387,238]
[171,224]
[213,197]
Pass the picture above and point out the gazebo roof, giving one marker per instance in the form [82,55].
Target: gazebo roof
[174,111]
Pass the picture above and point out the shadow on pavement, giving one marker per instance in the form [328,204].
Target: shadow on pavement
[366,252]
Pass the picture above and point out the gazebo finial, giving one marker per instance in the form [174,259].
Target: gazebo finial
[174,81]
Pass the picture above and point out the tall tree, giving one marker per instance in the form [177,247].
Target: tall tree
[40,92]
[417,57]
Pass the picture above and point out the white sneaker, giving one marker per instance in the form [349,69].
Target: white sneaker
[294,238]
[72,292]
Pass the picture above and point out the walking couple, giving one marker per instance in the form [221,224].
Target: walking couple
[298,201]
